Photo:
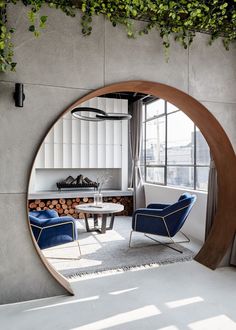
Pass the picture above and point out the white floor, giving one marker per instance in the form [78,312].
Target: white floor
[171,297]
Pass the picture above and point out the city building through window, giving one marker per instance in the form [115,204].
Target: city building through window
[174,151]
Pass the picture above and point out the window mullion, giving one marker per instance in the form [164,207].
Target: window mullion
[145,144]
[194,159]
[165,170]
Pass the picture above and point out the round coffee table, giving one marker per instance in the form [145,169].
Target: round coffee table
[102,210]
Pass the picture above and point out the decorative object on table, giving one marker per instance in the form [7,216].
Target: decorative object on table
[50,230]
[97,199]
[93,114]
[163,220]
[101,181]
[79,182]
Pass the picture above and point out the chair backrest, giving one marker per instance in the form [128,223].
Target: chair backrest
[44,214]
[184,196]
[37,218]
[177,213]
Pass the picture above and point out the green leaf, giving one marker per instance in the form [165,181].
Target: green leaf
[43,19]
[3,29]
[2,44]
[31,16]
[32,28]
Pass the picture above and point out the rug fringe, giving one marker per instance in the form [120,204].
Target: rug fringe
[125,268]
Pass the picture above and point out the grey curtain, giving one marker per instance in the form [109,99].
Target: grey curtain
[211,197]
[135,148]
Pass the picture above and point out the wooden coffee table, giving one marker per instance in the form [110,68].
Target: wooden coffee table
[106,209]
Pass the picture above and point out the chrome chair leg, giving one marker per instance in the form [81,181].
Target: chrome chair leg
[80,254]
[163,243]
[130,238]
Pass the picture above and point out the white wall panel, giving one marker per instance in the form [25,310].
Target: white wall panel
[58,132]
[49,138]
[109,156]
[84,126]
[74,143]
[117,152]
[58,155]
[49,155]
[67,130]
[76,155]
[93,157]
[84,156]
[67,155]
[117,133]
[76,131]
[101,163]
[40,159]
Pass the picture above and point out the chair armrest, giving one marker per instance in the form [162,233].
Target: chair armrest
[157,206]
[34,221]
[148,221]
[58,221]
[147,211]
[57,231]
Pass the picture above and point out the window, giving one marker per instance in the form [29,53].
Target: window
[174,152]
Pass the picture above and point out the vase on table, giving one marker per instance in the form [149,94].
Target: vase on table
[98,199]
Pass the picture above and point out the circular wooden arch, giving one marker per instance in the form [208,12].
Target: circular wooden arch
[224,225]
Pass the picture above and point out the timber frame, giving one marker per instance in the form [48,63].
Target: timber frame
[224,225]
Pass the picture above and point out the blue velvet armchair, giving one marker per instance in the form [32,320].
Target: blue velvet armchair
[50,230]
[163,219]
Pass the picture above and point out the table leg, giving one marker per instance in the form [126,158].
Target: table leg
[86,222]
[104,223]
[95,220]
[111,221]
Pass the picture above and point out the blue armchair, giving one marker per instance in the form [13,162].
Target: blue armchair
[163,219]
[50,230]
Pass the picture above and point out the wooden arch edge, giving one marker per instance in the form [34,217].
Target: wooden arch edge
[57,276]
[224,225]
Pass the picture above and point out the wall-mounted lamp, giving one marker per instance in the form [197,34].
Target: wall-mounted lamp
[19,95]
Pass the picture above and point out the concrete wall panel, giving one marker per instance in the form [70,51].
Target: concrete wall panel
[22,129]
[143,58]
[212,71]
[63,57]
[22,274]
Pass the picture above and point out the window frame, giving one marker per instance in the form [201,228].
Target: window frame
[195,166]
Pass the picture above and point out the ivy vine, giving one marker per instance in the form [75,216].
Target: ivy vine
[180,18]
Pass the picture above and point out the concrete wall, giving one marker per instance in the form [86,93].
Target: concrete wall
[57,69]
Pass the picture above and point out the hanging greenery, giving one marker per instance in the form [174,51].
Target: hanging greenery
[180,18]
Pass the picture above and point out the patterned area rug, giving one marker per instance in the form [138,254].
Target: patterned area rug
[110,251]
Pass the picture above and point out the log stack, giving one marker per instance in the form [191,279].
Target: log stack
[66,206]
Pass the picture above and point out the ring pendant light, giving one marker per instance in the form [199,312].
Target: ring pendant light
[100,115]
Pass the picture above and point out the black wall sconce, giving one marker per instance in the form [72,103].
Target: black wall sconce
[19,95]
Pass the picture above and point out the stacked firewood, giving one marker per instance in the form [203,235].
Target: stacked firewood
[66,206]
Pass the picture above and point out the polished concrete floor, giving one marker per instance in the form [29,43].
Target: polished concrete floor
[172,297]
